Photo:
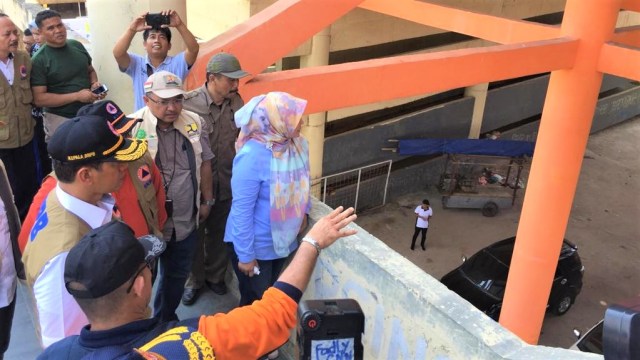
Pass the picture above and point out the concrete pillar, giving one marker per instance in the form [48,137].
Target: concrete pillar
[208,21]
[313,128]
[479,93]
[116,15]
[561,143]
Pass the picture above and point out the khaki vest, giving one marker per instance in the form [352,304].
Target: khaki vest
[188,125]
[17,125]
[55,231]
[146,196]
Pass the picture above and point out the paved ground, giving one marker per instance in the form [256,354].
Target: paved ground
[604,224]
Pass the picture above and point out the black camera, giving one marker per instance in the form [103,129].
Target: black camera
[156,20]
[330,329]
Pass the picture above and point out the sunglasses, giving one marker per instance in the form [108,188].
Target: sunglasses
[148,265]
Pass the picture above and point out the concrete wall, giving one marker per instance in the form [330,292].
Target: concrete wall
[409,314]
[611,110]
[505,105]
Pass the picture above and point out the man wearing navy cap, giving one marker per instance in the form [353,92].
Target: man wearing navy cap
[109,278]
[89,160]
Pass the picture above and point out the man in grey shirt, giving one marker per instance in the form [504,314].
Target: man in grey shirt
[216,101]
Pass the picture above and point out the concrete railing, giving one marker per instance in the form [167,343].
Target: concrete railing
[409,314]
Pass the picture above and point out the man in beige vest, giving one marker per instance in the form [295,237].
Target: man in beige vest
[179,142]
[89,160]
[16,123]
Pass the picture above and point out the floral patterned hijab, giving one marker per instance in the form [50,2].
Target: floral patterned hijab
[273,119]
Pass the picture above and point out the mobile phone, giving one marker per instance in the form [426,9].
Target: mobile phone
[100,89]
[155,20]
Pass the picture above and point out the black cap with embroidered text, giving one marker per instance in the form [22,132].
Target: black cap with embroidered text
[112,112]
[92,138]
[106,258]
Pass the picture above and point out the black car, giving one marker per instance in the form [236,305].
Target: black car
[482,278]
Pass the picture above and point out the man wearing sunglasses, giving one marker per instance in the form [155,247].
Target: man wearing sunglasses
[108,276]
[179,142]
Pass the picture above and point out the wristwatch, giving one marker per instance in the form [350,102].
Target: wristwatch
[313,242]
[209,202]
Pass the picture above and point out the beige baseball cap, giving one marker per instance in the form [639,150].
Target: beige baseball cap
[164,84]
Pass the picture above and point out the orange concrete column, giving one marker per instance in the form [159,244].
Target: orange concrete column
[562,138]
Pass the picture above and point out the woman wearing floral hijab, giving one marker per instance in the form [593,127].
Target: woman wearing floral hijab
[270,186]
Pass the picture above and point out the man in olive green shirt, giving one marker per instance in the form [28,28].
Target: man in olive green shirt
[62,76]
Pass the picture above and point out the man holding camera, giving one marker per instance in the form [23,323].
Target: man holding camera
[62,77]
[157,42]
[179,142]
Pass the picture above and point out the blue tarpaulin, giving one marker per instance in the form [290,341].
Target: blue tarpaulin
[512,148]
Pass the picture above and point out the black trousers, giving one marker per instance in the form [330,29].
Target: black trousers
[415,236]
[43,161]
[20,163]
[6,319]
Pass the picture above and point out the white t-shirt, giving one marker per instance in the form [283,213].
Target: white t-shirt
[421,223]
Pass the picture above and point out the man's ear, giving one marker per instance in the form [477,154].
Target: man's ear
[140,285]
[84,175]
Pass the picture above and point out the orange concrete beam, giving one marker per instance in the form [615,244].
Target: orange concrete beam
[620,61]
[271,34]
[492,28]
[628,36]
[562,139]
[365,82]
[632,5]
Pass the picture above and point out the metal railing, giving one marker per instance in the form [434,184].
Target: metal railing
[363,188]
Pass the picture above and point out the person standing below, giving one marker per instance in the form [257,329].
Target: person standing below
[216,101]
[10,265]
[270,185]
[423,214]
[179,142]
[16,123]
[157,43]
[89,160]
[62,77]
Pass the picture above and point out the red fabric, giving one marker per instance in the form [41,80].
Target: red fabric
[127,202]
[249,332]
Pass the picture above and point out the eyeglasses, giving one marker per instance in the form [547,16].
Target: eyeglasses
[133,280]
[164,102]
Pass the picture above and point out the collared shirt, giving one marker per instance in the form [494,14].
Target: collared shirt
[58,313]
[7,69]
[8,279]
[223,135]
[249,222]
[137,70]
[173,162]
